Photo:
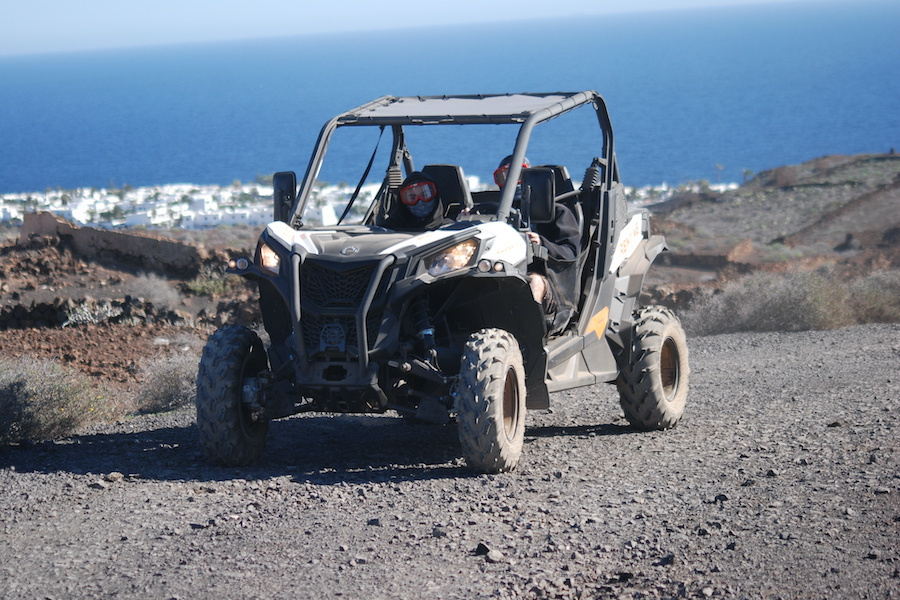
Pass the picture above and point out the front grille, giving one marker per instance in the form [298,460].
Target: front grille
[330,297]
[323,334]
[330,288]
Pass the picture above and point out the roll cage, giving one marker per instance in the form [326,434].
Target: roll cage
[396,113]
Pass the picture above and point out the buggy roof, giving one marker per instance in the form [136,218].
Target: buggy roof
[488,108]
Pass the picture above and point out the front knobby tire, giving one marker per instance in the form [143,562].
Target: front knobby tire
[491,402]
[228,433]
[653,381]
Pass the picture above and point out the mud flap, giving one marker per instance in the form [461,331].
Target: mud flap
[536,396]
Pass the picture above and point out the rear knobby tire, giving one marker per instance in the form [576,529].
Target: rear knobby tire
[491,401]
[653,379]
[228,434]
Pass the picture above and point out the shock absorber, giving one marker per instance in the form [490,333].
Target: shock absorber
[425,329]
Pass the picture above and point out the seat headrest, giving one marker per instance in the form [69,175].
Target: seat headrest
[451,184]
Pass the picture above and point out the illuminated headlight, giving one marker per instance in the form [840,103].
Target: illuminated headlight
[268,258]
[451,259]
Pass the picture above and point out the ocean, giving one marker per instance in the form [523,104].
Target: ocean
[710,94]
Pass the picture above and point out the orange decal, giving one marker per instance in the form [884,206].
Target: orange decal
[598,322]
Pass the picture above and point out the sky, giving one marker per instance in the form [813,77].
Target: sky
[45,26]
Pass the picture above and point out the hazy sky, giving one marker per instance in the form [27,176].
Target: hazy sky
[39,26]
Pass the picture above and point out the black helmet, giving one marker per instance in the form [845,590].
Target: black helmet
[502,171]
[419,194]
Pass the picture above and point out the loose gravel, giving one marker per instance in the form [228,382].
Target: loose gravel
[782,481]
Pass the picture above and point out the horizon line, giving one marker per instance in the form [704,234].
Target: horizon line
[692,5]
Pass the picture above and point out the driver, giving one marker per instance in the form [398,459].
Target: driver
[419,207]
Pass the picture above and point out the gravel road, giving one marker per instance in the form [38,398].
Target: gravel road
[782,481]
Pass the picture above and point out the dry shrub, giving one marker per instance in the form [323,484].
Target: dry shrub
[877,297]
[792,301]
[169,382]
[41,400]
[785,176]
[795,301]
[156,289]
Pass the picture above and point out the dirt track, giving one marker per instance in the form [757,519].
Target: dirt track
[781,482]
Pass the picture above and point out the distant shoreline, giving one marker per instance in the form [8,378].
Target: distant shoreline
[191,206]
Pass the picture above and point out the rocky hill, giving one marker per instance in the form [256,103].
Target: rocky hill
[101,302]
[842,211]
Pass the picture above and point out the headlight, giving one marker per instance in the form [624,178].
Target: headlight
[451,259]
[268,258]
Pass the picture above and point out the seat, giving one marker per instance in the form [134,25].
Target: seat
[452,186]
[562,180]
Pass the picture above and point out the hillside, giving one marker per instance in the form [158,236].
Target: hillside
[126,297]
[837,210]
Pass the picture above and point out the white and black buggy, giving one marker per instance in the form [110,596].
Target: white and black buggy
[441,325]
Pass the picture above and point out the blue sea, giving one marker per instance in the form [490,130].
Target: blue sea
[707,94]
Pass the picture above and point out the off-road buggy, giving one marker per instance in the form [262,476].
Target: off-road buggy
[441,325]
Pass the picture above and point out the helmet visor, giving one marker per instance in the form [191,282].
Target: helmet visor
[421,191]
[502,173]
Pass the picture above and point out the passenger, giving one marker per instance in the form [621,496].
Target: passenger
[419,207]
[502,173]
[562,238]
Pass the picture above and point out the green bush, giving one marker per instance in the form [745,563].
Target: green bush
[212,282]
[41,400]
[169,382]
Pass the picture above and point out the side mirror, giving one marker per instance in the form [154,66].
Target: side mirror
[284,186]
[538,194]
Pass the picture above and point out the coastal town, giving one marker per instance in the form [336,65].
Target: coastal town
[184,206]
[189,206]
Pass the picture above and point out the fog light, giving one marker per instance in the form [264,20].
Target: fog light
[484,265]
